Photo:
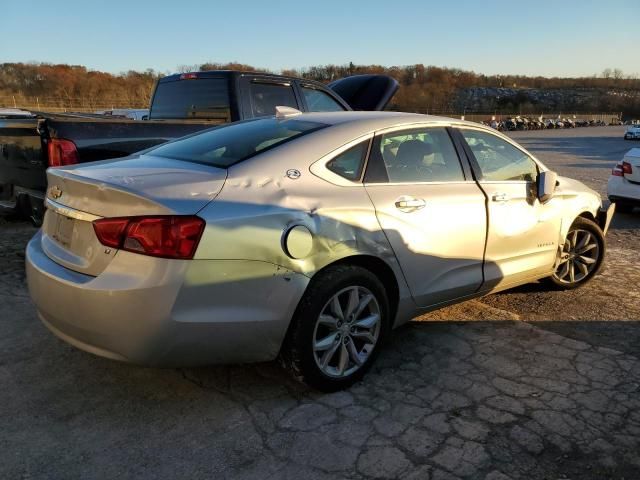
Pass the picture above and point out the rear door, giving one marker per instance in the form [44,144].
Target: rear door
[523,233]
[431,210]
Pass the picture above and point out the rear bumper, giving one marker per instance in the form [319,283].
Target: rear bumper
[619,188]
[162,312]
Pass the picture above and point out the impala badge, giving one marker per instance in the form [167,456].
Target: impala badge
[55,192]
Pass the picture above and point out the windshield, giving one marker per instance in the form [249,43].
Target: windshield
[192,98]
[224,146]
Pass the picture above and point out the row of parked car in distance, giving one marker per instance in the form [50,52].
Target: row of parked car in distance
[511,124]
[541,123]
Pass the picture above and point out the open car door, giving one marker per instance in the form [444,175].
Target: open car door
[366,92]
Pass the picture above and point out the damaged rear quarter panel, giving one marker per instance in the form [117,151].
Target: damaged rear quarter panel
[259,203]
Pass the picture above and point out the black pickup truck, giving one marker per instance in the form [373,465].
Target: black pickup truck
[181,104]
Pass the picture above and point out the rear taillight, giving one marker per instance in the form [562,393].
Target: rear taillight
[62,152]
[159,236]
[617,171]
[188,76]
[110,231]
[622,169]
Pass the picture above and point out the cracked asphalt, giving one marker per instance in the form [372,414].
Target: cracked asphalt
[525,384]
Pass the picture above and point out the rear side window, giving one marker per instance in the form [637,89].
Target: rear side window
[224,146]
[319,101]
[192,98]
[265,97]
[419,155]
[349,163]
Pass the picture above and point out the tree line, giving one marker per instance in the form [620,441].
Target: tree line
[73,85]
[423,88]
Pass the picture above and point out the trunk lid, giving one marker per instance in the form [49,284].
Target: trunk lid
[140,185]
[633,158]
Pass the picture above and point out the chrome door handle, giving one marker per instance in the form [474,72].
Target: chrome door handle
[500,197]
[409,204]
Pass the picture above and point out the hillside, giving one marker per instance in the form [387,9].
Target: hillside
[423,88]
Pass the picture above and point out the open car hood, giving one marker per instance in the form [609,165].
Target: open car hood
[366,92]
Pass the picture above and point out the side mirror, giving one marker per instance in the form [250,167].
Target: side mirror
[547,182]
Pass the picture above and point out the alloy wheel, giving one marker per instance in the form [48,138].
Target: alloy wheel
[579,257]
[346,331]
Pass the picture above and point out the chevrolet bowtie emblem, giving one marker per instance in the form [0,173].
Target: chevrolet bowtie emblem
[55,192]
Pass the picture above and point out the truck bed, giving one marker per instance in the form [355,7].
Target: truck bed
[23,148]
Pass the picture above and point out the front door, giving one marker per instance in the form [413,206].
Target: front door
[432,214]
[523,233]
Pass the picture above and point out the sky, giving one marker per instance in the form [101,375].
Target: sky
[542,37]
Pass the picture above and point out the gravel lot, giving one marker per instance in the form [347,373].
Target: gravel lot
[524,384]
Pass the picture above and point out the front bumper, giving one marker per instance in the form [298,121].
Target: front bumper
[161,312]
[604,217]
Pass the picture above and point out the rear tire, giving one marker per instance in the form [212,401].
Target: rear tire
[338,328]
[582,255]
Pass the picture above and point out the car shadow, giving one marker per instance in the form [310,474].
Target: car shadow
[626,221]
[478,382]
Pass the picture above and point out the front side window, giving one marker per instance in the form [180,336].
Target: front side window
[420,155]
[227,145]
[349,163]
[498,160]
[319,101]
[265,97]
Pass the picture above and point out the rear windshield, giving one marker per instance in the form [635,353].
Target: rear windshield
[192,98]
[223,146]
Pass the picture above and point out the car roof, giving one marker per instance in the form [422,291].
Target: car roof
[377,120]
[204,74]
[344,127]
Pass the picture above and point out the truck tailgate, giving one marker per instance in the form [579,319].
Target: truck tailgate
[22,161]
[113,138]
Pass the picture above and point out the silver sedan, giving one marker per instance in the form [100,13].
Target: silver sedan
[303,236]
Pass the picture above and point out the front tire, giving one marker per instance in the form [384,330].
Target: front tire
[581,257]
[337,329]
